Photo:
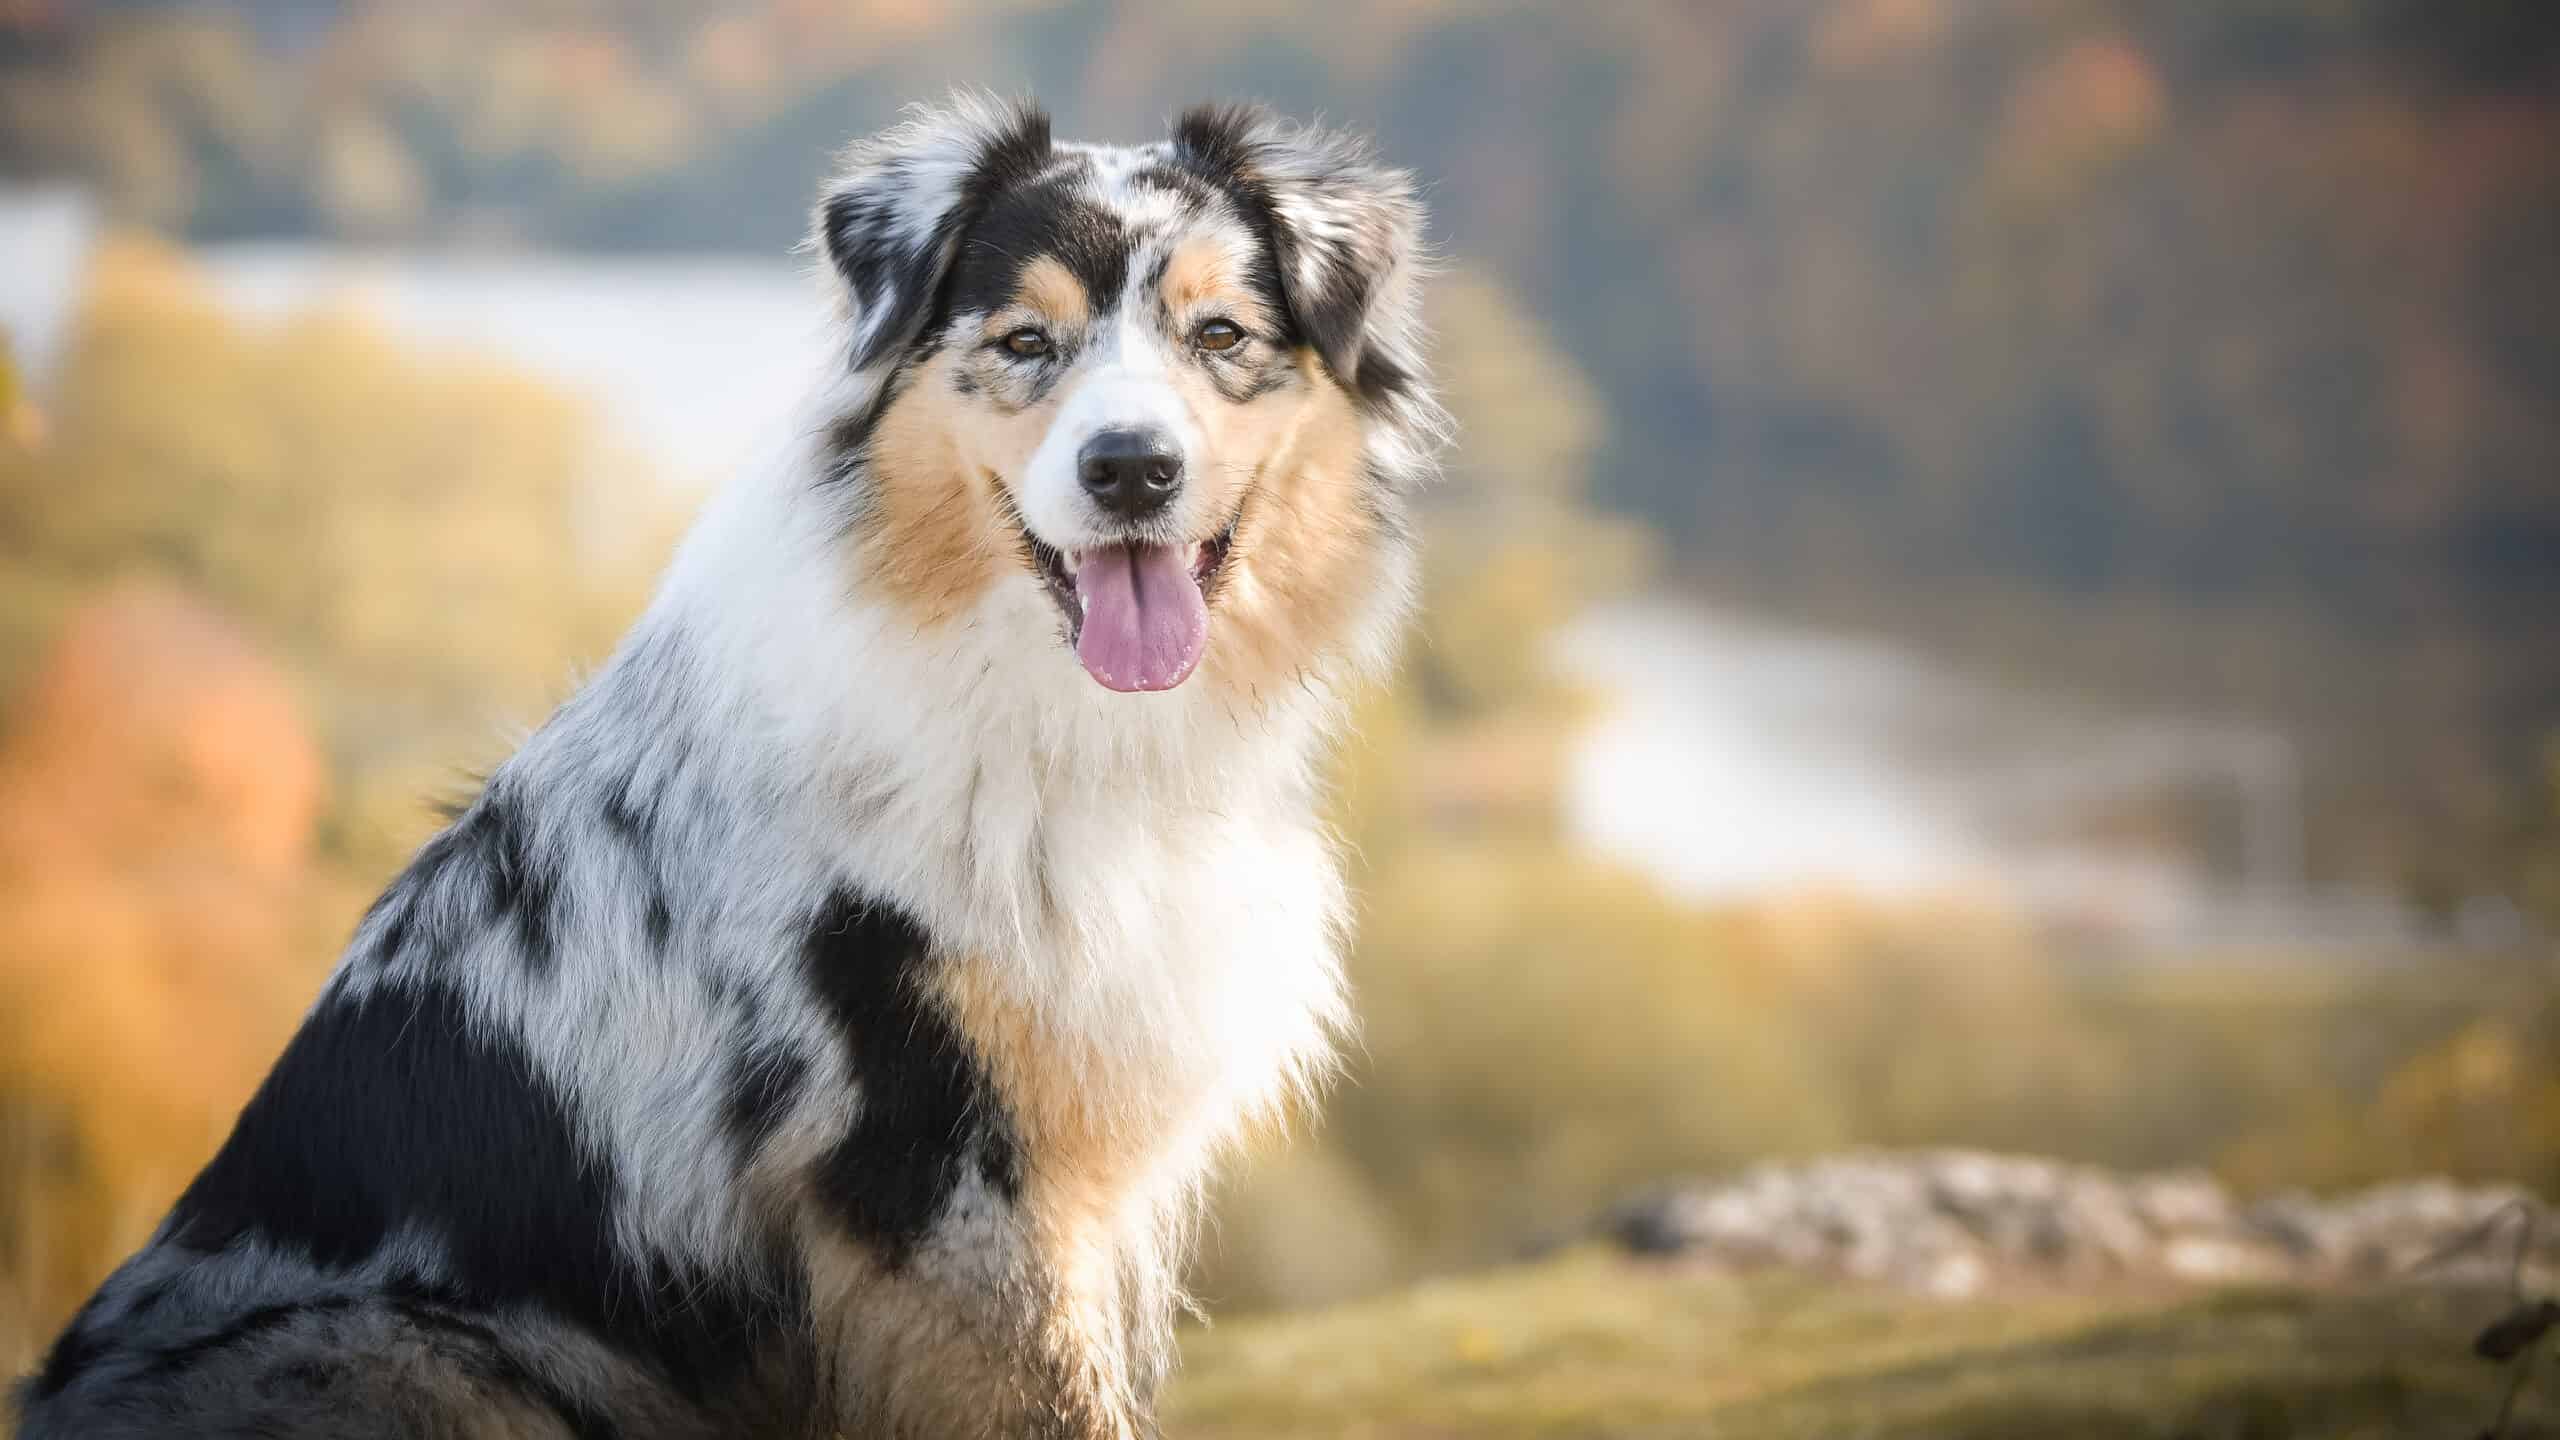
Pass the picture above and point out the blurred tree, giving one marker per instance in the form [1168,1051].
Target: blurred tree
[411,535]
[158,793]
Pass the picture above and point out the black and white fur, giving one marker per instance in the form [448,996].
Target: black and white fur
[641,1104]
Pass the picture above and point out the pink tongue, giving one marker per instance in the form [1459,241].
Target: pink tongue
[1144,618]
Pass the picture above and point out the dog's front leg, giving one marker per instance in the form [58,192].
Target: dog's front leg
[951,1347]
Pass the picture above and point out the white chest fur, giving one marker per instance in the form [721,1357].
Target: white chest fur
[1145,916]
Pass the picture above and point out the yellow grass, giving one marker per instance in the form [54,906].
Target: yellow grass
[1590,1345]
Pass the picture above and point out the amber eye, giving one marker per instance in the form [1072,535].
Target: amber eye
[1217,335]
[1029,342]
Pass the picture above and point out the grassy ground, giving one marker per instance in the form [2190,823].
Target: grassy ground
[1591,1345]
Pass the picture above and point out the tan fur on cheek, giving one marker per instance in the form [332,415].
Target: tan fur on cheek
[1305,554]
[933,535]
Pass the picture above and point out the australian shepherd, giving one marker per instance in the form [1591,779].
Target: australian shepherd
[824,1024]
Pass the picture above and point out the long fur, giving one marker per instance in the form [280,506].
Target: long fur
[826,1023]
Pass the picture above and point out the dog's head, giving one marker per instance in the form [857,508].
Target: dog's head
[1160,402]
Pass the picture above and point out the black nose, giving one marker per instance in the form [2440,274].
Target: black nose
[1131,473]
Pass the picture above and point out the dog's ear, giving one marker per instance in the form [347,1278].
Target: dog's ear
[891,220]
[1346,232]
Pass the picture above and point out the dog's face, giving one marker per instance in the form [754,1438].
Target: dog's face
[1168,388]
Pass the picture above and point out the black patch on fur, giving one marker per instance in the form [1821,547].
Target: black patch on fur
[483,868]
[925,1108]
[265,1320]
[847,445]
[764,1083]
[862,225]
[635,824]
[393,1111]
[1381,379]
[397,909]
[78,1347]
[152,1296]
[479,1351]
[1334,311]
[1215,143]
[300,1380]
[1196,190]
[627,817]
[1051,218]
[524,885]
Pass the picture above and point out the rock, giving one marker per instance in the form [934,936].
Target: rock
[2298,1225]
[2222,1260]
[2180,1200]
[1953,1223]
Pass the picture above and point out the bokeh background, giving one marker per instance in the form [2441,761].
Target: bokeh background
[2001,585]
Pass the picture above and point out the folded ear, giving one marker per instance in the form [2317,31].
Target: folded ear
[891,220]
[1346,233]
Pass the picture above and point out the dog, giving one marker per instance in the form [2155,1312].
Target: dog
[826,1022]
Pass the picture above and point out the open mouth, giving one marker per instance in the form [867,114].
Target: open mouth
[1137,613]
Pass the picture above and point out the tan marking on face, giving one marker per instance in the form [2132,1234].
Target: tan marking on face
[1049,288]
[936,535]
[1204,276]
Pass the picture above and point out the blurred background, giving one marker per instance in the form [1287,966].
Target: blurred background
[2001,585]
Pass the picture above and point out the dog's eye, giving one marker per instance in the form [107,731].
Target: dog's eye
[1030,342]
[1217,335]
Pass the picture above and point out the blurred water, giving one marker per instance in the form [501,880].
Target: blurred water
[1739,758]
[696,362]
[1735,758]
[45,234]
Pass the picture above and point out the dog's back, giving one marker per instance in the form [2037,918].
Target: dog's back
[404,1236]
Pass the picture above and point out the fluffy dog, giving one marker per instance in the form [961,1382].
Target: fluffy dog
[825,1023]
